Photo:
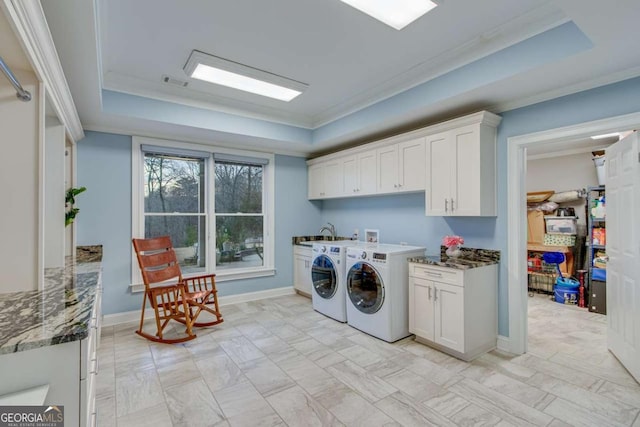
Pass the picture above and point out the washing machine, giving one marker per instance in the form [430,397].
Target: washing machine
[328,292]
[377,284]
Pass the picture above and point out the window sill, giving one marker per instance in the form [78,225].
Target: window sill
[222,277]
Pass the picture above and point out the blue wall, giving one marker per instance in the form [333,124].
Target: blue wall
[400,218]
[104,167]
[104,163]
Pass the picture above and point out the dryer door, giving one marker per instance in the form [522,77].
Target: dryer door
[365,288]
[324,277]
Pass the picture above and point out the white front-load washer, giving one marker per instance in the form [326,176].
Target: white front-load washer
[328,292]
[377,279]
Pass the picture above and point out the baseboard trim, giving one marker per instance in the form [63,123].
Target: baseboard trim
[504,345]
[131,316]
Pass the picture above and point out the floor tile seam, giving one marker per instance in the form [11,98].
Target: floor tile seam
[488,401]
[556,396]
[164,395]
[596,374]
[598,417]
[404,405]
[449,417]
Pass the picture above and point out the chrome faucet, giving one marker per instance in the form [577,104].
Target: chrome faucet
[331,229]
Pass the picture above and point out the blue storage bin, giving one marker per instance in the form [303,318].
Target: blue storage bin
[599,274]
[566,296]
[567,283]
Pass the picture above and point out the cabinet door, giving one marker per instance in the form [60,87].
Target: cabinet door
[333,179]
[316,181]
[350,174]
[438,155]
[421,315]
[449,316]
[302,273]
[465,184]
[412,174]
[387,159]
[367,172]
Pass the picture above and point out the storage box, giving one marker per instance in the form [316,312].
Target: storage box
[535,226]
[599,274]
[599,236]
[560,239]
[561,224]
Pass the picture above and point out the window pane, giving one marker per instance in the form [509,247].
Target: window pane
[239,241]
[173,184]
[188,235]
[238,188]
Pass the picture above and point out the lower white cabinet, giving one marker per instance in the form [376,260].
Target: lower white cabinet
[302,269]
[454,310]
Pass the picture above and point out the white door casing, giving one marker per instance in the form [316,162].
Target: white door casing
[623,248]
[515,339]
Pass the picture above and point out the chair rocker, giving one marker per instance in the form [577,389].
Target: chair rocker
[158,263]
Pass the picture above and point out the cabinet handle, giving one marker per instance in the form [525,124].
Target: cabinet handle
[435,294]
[446,205]
[452,204]
[429,292]
[431,273]
[395,185]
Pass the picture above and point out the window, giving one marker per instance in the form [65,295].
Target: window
[215,206]
[174,205]
[238,215]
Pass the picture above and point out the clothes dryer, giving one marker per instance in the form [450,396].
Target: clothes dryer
[377,284]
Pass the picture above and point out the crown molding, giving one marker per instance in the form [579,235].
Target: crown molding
[585,85]
[33,32]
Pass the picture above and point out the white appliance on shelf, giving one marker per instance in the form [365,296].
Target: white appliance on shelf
[377,284]
[328,288]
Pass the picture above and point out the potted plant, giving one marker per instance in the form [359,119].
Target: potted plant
[69,200]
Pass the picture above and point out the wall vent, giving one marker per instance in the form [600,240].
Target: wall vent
[173,81]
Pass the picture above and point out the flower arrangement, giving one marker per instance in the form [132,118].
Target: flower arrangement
[451,241]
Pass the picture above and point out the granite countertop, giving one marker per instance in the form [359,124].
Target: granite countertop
[60,312]
[470,258]
[309,240]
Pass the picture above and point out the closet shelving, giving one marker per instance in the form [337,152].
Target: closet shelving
[596,242]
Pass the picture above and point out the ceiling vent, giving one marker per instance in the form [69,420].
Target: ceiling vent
[174,81]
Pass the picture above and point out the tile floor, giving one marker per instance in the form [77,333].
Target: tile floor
[277,362]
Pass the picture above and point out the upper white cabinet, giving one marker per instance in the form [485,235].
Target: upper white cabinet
[326,180]
[459,153]
[360,172]
[461,170]
[401,167]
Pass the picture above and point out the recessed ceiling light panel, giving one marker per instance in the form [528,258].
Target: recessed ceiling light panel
[606,135]
[395,13]
[231,74]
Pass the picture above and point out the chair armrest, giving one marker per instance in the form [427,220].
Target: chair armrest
[205,282]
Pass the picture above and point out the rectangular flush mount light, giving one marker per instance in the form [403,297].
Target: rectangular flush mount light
[606,135]
[395,13]
[220,71]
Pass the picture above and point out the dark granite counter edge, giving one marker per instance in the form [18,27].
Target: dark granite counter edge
[83,271]
[308,240]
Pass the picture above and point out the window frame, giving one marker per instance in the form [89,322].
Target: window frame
[268,206]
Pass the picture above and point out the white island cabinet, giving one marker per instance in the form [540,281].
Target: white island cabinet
[454,310]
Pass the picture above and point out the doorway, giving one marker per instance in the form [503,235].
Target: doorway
[516,210]
[559,179]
